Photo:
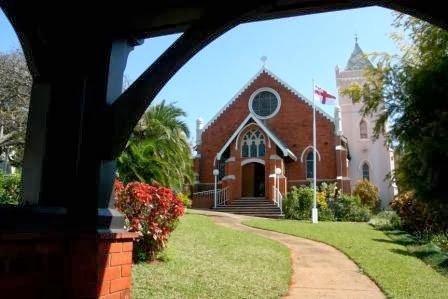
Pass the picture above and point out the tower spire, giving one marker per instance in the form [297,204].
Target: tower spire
[358,60]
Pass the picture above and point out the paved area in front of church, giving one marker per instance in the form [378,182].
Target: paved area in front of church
[319,270]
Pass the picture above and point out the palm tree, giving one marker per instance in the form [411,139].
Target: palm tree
[158,151]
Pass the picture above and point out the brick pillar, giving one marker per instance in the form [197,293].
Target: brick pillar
[115,253]
[56,265]
[230,181]
[342,178]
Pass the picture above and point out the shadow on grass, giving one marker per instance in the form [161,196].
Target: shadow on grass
[429,253]
[405,242]
[421,254]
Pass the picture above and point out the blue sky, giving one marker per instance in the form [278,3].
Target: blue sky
[298,49]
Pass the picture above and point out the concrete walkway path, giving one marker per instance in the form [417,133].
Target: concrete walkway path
[319,270]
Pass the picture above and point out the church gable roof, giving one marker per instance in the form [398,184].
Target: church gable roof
[286,151]
[358,60]
[276,78]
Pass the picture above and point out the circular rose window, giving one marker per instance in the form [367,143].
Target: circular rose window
[264,103]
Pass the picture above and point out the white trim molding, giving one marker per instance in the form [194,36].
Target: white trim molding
[274,157]
[268,89]
[231,159]
[299,95]
[306,149]
[236,96]
[228,177]
[252,160]
[285,150]
[241,131]
[275,77]
[244,130]
[340,148]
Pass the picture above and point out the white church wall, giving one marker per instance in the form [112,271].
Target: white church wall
[375,153]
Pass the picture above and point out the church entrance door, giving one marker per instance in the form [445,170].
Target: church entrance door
[253,180]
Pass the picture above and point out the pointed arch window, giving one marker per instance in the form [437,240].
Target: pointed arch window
[365,171]
[245,150]
[309,165]
[253,144]
[261,149]
[363,129]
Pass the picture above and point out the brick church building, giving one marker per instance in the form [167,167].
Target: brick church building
[268,126]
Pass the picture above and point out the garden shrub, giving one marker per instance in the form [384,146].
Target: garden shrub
[152,212]
[413,213]
[330,191]
[298,203]
[326,195]
[441,240]
[386,220]
[321,200]
[9,188]
[325,213]
[332,206]
[368,193]
[349,208]
[185,199]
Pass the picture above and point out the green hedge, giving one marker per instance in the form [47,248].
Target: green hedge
[9,188]
[299,201]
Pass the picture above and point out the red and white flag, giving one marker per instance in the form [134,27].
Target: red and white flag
[324,96]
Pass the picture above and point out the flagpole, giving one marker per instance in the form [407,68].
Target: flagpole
[314,216]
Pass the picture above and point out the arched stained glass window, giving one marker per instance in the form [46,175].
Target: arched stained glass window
[309,165]
[261,149]
[245,150]
[365,171]
[253,149]
[363,129]
[253,144]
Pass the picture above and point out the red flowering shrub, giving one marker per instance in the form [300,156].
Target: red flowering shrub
[414,214]
[152,212]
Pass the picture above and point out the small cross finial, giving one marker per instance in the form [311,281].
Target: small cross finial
[356,38]
[263,59]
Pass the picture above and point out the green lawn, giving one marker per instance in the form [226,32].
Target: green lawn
[204,260]
[388,262]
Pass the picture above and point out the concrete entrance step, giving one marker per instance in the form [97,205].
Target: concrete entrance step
[252,206]
[231,208]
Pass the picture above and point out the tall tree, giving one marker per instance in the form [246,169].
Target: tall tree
[158,151]
[15,89]
[411,91]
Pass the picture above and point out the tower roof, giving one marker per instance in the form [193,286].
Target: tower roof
[358,60]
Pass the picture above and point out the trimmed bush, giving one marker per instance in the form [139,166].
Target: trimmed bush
[152,212]
[386,220]
[298,203]
[368,193]
[349,208]
[9,188]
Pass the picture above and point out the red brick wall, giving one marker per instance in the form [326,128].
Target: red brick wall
[61,266]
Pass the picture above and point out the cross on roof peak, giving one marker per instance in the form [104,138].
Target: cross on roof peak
[263,60]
